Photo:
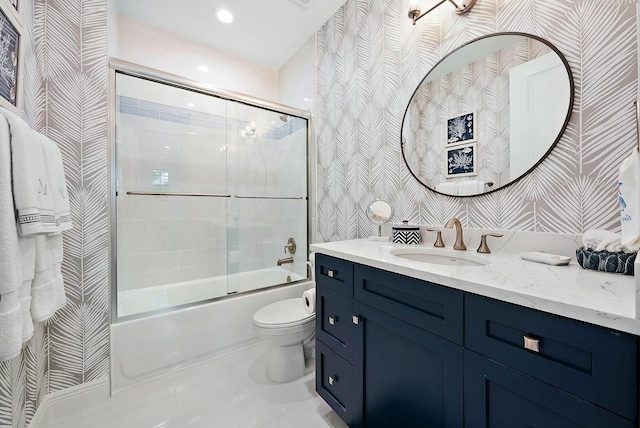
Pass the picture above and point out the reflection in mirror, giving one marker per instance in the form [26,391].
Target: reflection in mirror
[379,212]
[487,114]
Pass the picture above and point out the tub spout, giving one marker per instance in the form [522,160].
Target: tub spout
[285,261]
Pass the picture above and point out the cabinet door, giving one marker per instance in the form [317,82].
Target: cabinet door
[496,396]
[334,382]
[334,325]
[404,376]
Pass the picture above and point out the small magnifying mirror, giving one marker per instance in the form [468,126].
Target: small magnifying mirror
[379,212]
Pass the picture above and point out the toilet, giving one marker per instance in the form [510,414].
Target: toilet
[286,326]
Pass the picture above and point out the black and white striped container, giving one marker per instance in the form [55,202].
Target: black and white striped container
[405,234]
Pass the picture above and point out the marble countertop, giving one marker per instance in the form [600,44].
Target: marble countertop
[600,298]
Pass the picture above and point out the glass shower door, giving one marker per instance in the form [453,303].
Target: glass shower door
[172,195]
[268,240]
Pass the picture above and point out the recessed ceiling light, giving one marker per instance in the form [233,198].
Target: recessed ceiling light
[224,16]
[203,68]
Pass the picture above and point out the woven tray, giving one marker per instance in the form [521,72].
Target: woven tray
[605,261]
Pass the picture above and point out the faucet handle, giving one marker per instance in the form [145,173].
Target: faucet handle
[439,242]
[484,248]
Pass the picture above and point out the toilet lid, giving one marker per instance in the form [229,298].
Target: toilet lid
[284,313]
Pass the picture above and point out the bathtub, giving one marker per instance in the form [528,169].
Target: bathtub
[164,296]
[161,343]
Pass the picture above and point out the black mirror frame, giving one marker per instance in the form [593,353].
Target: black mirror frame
[560,133]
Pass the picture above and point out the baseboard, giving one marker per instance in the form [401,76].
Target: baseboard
[63,403]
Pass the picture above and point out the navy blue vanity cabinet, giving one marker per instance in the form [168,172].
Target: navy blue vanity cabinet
[334,334]
[554,371]
[404,376]
[408,351]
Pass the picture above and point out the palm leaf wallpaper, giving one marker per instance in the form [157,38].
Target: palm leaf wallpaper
[65,79]
[370,60]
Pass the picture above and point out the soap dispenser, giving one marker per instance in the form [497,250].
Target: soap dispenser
[405,234]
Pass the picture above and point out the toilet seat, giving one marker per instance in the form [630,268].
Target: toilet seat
[285,313]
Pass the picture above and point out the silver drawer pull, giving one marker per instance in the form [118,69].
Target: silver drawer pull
[332,380]
[531,344]
[332,320]
[331,273]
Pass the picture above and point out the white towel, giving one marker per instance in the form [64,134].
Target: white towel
[601,240]
[47,289]
[448,188]
[57,183]
[31,190]
[467,188]
[10,326]
[629,199]
[28,260]
[10,266]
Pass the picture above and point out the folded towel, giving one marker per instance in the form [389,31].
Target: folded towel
[10,326]
[57,183]
[31,190]
[469,187]
[449,188]
[629,199]
[10,266]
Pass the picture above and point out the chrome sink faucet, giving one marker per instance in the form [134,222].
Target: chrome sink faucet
[459,244]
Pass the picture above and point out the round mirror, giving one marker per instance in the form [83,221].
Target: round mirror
[487,114]
[379,212]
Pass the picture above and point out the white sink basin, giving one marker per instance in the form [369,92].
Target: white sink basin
[440,257]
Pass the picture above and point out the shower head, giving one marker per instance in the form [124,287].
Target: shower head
[284,117]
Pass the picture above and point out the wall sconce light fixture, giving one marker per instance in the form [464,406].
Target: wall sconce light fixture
[414,10]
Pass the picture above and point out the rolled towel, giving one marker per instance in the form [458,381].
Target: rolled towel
[31,190]
[309,300]
[10,326]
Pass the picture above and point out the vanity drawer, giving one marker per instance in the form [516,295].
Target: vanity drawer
[335,274]
[334,324]
[334,382]
[429,306]
[592,362]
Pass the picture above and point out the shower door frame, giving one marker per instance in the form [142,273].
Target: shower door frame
[135,70]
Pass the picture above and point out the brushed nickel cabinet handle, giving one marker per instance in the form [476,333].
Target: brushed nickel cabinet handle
[331,273]
[531,344]
[332,320]
[355,320]
[332,380]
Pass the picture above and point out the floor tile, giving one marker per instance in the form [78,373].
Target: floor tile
[231,391]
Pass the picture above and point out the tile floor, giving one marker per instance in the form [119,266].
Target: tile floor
[227,392]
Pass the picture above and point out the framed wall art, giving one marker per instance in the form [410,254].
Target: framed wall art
[462,160]
[462,128]
[10,57]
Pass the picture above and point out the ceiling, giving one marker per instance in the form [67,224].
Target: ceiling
[266,32]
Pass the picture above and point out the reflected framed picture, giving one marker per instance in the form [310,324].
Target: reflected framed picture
[462,160]
[10,58]
[462,128]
